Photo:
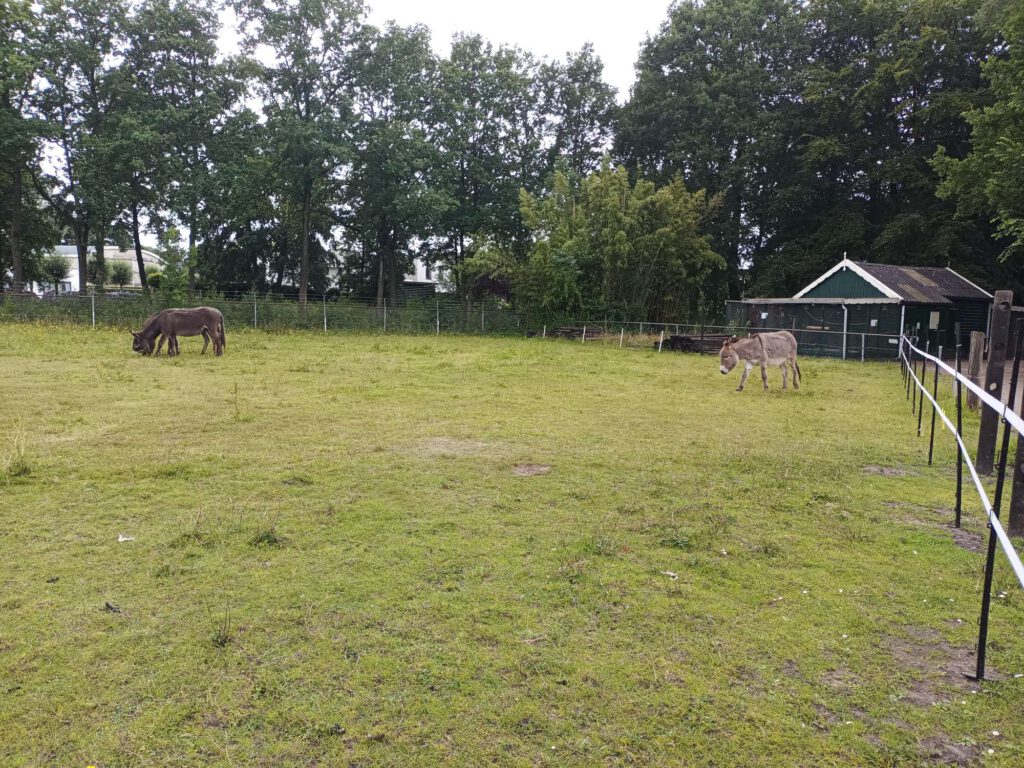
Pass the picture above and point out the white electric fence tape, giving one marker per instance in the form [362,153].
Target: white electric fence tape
[1015,422]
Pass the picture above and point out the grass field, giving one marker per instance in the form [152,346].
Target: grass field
[420,551]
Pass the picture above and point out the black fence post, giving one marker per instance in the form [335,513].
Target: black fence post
[986,599]
[920,399]
[912,386]
[959,434]
[935,401]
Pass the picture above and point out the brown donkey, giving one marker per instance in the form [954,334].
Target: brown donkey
[172,323]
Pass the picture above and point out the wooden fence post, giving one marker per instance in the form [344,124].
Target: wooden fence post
[974,366]
[999,333]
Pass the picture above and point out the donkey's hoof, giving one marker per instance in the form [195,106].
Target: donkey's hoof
[739,389]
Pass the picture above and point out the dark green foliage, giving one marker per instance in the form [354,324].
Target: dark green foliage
[816,122]
[54,269]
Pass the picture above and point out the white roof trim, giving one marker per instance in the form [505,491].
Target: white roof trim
[847,264]
[819,300]
[949,269]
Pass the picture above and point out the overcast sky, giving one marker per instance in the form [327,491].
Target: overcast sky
[548,28]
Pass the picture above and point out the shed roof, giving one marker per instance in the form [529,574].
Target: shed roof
[913,285]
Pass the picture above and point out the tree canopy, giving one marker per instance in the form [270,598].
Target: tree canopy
[762,141]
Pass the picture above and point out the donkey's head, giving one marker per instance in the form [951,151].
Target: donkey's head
[141,345]
[728,356]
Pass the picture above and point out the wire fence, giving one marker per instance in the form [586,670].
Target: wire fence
[707,338]
[129,309]
[909,356]
[126,309]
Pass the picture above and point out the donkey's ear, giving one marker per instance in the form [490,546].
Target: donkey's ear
[734,339]
[135,334]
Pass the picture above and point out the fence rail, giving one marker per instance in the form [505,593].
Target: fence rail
[323,313]
[909,354]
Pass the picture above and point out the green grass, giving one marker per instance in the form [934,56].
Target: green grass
[333,560]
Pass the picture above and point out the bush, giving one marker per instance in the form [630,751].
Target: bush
[120,273]
[55,269]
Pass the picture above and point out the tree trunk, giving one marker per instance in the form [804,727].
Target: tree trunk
[380,278]
[16,195]
[192,249]
[101,258]
[393,277]
[138,245]
[82,246]
[307,205]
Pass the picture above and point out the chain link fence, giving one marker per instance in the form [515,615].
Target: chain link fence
[125,309]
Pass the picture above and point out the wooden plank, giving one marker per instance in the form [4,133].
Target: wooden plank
[974,366]
[994,372]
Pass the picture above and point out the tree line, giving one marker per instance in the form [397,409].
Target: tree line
[762,140]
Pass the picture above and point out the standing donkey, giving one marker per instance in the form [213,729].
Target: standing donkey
[172,323]
[777,349]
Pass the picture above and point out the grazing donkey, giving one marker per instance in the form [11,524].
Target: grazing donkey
[172,323]
[764,349]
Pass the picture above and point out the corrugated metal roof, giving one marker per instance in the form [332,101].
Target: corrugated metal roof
[924,285]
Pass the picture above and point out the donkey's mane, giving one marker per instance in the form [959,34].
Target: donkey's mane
[149,327]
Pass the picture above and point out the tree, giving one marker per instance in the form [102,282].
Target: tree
[173,282]
[394,196]
[308,116]
[630,250]
[55,269]
[989,180]
[120,273]
[76,100]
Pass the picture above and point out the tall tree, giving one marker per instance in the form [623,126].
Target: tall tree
[393,193]
[79,42]
[19,137]
[175,97]
[989,180]
[308,116]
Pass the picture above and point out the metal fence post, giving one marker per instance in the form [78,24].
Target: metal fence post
[385,315]
[622,332]
[325,313]
[583,340]
[986,600]
[482,318]
[437,320]
[920,400]
[863,342]
[254,308]
[93,297]
[661,340]
[935,398]
[544,333]
[959,432]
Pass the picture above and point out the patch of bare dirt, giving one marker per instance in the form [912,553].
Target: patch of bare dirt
[530,470]
[874,469]
[968,540]
[840,679]
[941,750]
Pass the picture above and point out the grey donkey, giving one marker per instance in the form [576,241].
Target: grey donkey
[777,349]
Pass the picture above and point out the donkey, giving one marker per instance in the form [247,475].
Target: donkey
[764,349]
[171,323]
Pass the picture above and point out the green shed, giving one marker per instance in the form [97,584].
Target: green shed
[862,303]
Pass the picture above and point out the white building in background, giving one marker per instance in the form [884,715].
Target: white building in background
[111,254]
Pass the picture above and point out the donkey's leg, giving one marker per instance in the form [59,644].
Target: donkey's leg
[206,341]
[764,375]
[796,372]
[172,345]
[743,378]
[784,372]
[160,345]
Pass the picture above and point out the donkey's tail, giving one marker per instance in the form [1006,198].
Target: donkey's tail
[223,338]
[799,376]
